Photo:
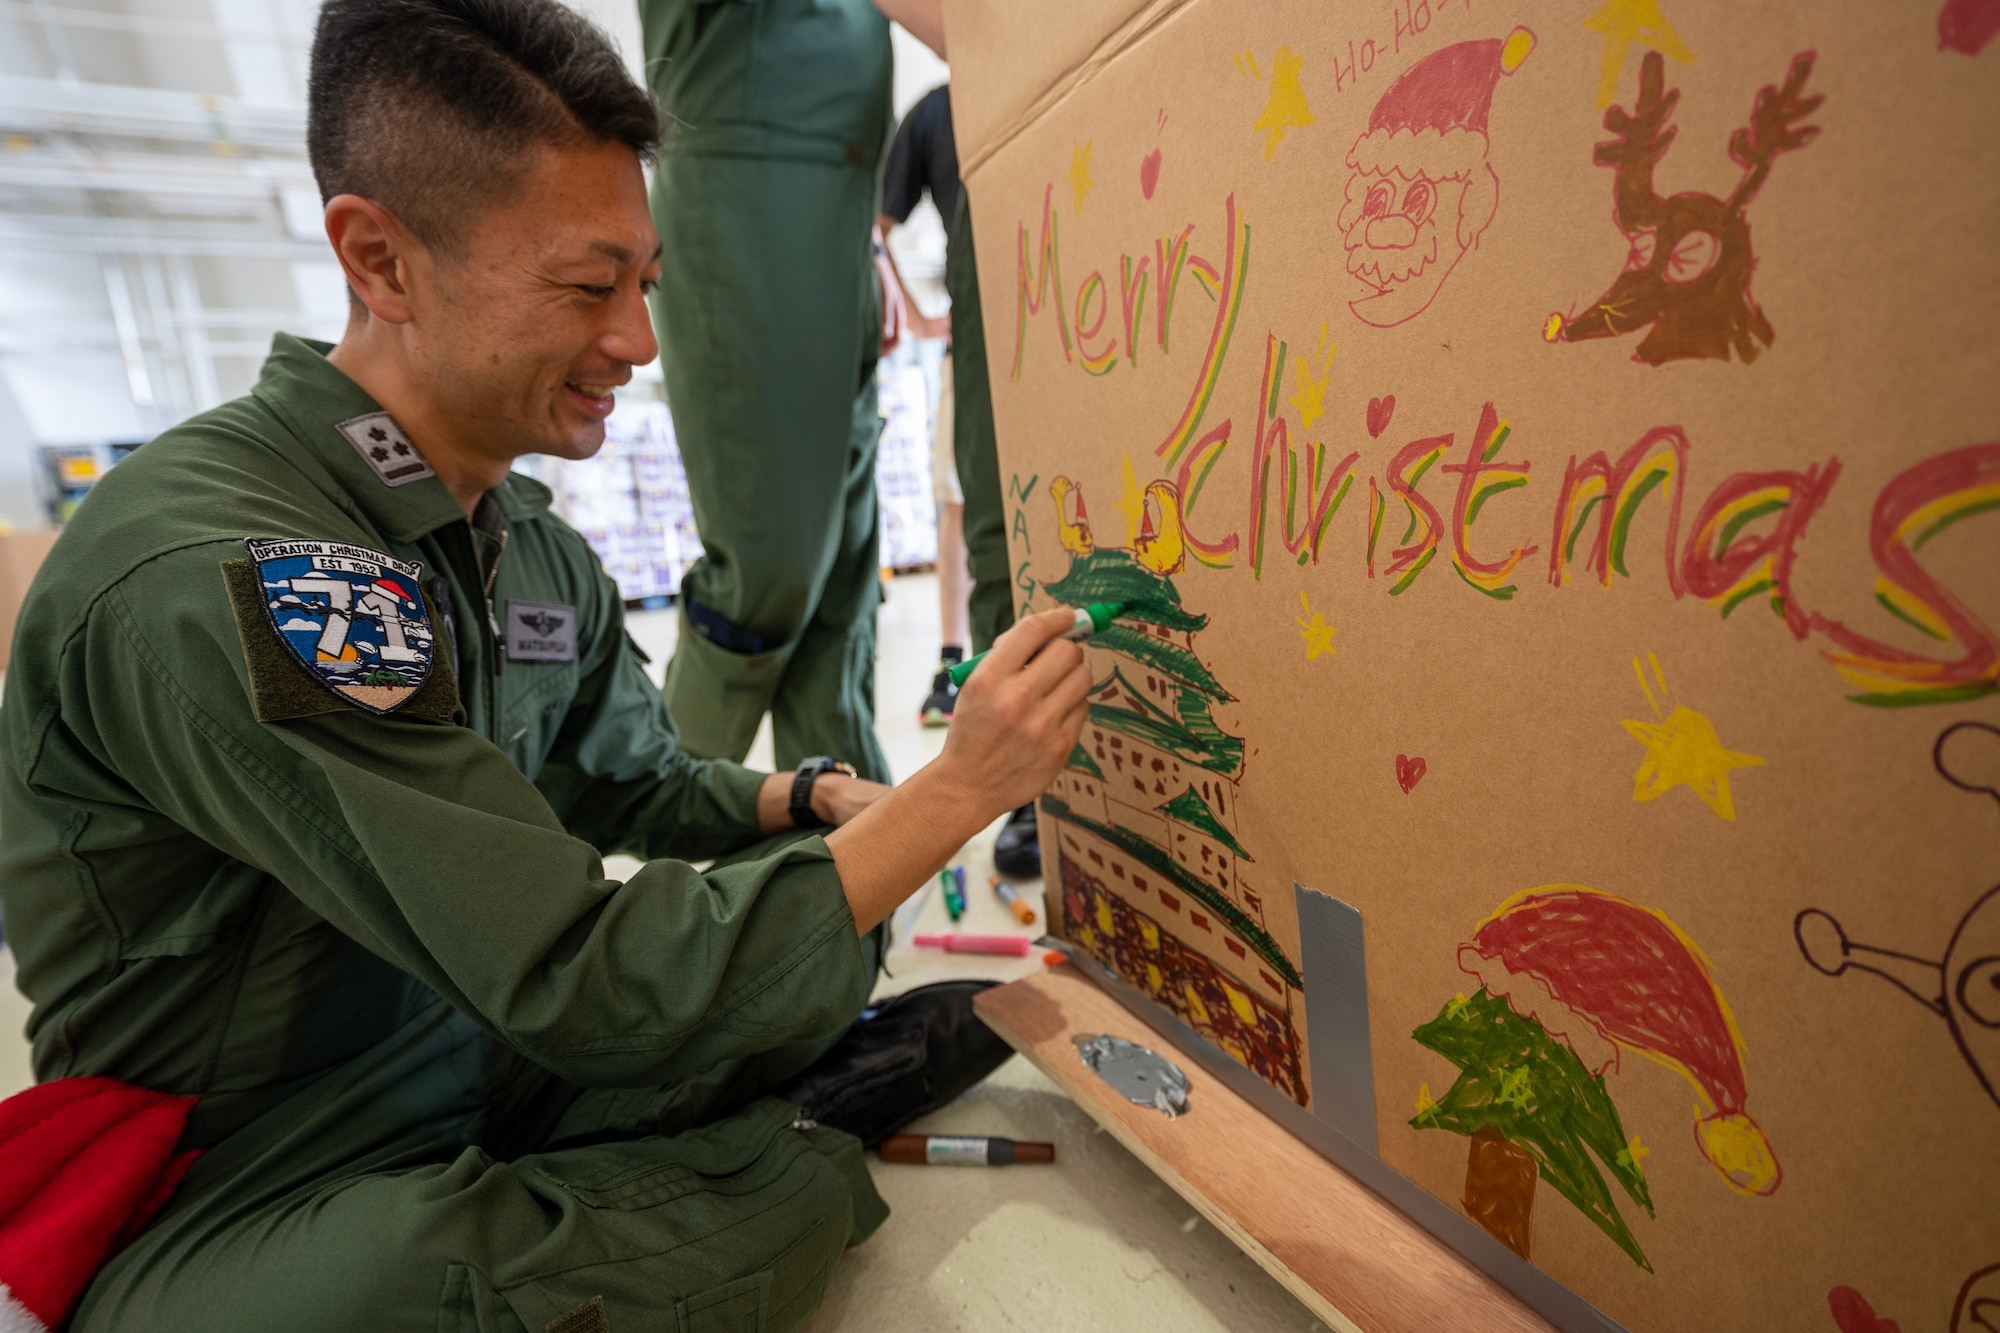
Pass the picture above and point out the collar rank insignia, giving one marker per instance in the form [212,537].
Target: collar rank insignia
[352,617]
[383,446]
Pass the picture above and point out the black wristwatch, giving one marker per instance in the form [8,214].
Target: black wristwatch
[802,786]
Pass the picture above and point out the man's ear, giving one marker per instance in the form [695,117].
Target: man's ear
[375,252]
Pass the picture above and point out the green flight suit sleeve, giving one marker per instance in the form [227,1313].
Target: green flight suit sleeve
[422,842]
[617,775]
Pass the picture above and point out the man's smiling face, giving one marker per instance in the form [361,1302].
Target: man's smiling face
[537,311]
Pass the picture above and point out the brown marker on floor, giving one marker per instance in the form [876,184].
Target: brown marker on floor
[954,1150]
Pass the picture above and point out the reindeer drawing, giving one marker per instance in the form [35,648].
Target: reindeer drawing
[1688,272]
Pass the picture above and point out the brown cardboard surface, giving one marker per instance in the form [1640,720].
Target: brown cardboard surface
[21,555]
[1643,783]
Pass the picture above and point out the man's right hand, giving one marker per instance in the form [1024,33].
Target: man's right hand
[1016,721]
[1018,717]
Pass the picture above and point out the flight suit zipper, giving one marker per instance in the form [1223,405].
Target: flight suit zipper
[492,616]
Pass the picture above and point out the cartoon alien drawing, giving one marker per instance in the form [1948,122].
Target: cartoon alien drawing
[1977,1309]
[1688,272]
[1963,990]
[1419,191]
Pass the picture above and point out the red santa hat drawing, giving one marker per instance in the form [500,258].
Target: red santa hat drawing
[1602,974]
[1420,190]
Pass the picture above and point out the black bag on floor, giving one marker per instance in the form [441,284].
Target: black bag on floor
[903,1058]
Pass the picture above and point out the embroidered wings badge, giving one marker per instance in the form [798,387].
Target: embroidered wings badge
[353,617]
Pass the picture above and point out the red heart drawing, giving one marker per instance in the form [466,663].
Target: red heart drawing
[1149,172]
[1968,25]
[1409,772]
[1379,412]
[1855,1315]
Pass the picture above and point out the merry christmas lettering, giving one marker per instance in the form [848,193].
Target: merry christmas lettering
[1737,541]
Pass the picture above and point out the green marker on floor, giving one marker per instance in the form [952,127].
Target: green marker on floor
[1092,619]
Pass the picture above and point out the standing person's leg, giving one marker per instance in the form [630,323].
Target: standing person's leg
[761,324]
[954,579]
[992,603]
[953,576]
[1017,851]
[827,702]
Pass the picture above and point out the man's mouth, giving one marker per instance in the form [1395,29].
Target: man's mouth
[596,398]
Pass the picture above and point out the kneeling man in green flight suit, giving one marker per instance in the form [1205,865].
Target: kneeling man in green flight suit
[318,725]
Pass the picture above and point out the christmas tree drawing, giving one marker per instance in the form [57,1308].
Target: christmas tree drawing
[1156,883]
[1570,978]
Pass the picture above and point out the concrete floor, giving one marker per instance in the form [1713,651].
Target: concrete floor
[1094,1241]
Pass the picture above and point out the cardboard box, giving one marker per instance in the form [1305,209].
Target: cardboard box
[21,554]
[1553,452]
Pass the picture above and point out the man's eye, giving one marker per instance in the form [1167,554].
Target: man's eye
[596,293]
[647,286]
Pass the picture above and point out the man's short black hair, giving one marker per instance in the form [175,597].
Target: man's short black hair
[428,107]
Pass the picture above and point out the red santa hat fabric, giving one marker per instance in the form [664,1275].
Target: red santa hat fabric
[1432,119]
[85,1163]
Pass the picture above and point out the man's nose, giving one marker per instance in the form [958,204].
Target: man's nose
[630,337]
[1392,233]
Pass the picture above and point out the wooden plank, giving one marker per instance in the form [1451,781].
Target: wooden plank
[1356,1262]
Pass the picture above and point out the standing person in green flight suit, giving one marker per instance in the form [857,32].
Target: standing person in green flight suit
[318,723]
[771,315]
[923,158]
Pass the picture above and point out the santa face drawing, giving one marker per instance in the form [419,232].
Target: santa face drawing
[1419,190]
[1404,235]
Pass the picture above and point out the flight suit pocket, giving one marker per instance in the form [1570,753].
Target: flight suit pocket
[534,702]
[729,1157]
[737,1225]
[742,1306]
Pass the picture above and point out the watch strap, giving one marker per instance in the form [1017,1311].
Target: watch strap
[808,772]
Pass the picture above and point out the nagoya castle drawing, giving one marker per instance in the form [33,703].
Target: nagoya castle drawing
[1155,883]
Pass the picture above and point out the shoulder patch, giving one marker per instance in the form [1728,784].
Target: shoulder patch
[329,624]
[383,446]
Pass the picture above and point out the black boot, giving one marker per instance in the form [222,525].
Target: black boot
[1017,852]
[903,1058]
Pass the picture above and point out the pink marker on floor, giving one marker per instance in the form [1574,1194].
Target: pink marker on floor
[1016,945]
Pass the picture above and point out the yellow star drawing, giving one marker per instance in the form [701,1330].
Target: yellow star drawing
[1625,23]
[1426,1104]
[1683,750]
[1634,1153]
[1131,503]
[1286,107]
[1079,174]
[1312,390]
[1316,632]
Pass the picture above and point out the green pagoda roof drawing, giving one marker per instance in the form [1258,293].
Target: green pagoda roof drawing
[1114,576]
[1189,733]
[1190,809]
[1140,703]
[1080,758]
[1215,751]
[1167,658]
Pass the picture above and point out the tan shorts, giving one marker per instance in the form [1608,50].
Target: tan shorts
[944,458]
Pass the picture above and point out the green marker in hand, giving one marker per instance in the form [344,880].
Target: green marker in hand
[1090,620]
